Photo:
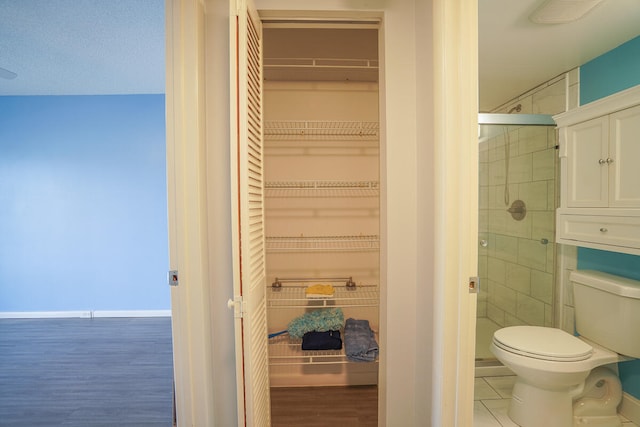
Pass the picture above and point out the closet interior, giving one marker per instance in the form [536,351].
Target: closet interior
[322,203]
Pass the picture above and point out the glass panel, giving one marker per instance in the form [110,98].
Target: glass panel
[516,253]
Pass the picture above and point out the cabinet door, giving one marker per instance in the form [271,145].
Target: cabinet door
[587,170]
[624,158]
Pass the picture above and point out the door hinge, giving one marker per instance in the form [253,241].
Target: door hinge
[172,278]
[238,307]
[474,285]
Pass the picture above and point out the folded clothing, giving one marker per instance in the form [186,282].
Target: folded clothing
[328,340]
[359,341]
[319,291]
[330,319]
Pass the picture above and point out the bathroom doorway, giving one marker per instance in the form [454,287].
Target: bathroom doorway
[518,168]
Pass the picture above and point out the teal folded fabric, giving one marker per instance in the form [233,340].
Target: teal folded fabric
[330,319]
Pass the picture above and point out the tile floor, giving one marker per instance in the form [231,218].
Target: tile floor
[492,396]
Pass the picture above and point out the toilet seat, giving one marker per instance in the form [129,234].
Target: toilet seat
[542,343]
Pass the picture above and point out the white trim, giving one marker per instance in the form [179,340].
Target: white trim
[187,214]
[455,62]
[630,408]
[610,104]
[43,314]
[132,313]
[87,314]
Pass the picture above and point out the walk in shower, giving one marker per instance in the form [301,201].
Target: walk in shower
[517,201]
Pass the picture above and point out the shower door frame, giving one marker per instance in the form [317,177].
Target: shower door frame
[515,119]
[500,119]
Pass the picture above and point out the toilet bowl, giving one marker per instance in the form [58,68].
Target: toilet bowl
[561,379]
[551,367]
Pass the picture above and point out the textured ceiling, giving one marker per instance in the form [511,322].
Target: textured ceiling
[79,47]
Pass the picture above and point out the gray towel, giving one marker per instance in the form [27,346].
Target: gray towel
[359,341]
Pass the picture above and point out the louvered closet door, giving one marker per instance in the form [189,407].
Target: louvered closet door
[249,253]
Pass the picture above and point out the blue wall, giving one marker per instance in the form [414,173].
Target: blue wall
[83,214]
[613,72]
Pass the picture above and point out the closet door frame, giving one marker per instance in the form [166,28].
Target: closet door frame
[193,400]
[441,119]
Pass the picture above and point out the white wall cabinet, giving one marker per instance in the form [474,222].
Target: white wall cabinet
[587,177]
[600,177]
[602,161]
[624,158]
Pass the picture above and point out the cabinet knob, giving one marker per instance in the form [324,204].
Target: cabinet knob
[602,161]
[603,230]
[609,160]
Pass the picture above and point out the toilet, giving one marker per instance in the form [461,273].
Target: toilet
[562,379]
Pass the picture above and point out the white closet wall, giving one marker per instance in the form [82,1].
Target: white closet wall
[322,216]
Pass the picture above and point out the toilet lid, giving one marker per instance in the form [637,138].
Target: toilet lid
[542,343]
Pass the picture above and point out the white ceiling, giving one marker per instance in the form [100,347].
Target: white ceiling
[516,55]
[79,47]
[117,46]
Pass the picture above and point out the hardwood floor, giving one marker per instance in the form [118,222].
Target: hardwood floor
[324,406]
[115,372]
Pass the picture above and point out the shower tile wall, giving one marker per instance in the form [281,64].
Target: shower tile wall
[516,266]
[523,282]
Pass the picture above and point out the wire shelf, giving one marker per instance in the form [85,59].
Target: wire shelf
[308,129]
[294,297]
[284,350]
[322,243]
[333,63]
[322,189]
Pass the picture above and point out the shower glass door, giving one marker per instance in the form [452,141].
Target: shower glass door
[517,202]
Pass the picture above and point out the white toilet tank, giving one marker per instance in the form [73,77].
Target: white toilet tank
[607,309]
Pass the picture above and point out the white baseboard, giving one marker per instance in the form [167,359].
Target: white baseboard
[83,314]
[132,313]
[43,314]
[630,408]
